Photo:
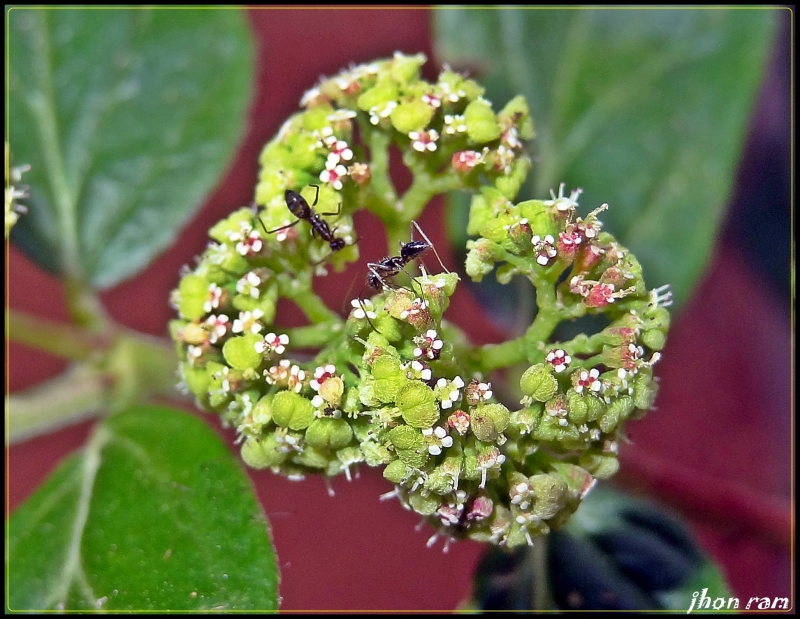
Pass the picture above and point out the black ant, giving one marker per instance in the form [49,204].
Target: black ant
[387,268]
[319,227]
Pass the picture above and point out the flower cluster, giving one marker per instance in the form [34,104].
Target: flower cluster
[394,385]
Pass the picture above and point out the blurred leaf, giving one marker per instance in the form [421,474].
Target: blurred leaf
[127,118]
[155,514]
[617,553]
[646,109]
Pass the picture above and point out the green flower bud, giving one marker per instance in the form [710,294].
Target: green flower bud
[380,94]
[415,458]
[412,116]
[313,457]
[240,352]
[577,478]
[654,339]
[291,410]
[387,378]
[524,421]
[329,433]
[601,465]
[644,391]
[376,454]
[516,113]
[405,69]
[331,391]
[539,217]
[439,482]
[617,411]
[262,453]
[345,458]
[538,382]
[481,122]
[193,294]
[388,326]
[489,421]
[417,404]
[480,259]
[656,318]
[397,472]
[424,504]
[509,185]
[480,213]
[262,411]
[197,379]
[578,409]
[550,494]
[406,437]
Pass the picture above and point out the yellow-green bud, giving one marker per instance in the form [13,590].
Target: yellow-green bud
[262,453]
[405,69]
[329,433]
[388,377]
[489,421]
[406,437]
[417,404]
[654,339]
[193,294]
[538,382]
[424,504]
[412,116]
[550,494]
[331,390]
[291,410]
[601,465]
[240,352]
[396,472]
[481,122]
[617,411]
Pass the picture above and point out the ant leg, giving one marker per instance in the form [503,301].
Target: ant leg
[428,241]
[339,210]
[294,223]
[364,309]
[316,197]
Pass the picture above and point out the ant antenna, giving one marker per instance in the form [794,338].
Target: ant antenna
[428,241]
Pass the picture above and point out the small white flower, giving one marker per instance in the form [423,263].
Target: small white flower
[333,174]
[561,202]
[248,321]
[321,374]
[424,140]
[363,309]
[249,284]
[272,342]
[559,359]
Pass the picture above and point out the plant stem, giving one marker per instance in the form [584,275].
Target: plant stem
[78,394]
[66,341]
[314,308]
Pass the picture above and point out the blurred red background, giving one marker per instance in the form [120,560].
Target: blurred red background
[718,448]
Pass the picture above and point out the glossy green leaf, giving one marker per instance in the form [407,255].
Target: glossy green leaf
[645,109]
[154,514]
[127,118]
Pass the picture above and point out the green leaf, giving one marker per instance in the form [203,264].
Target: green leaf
[127,118]
[644,109]
[154,514]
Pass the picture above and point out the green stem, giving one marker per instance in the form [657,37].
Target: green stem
[78,394]
[314,336]
[313,307]
[59,339]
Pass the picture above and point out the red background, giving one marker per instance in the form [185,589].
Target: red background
[718,448]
